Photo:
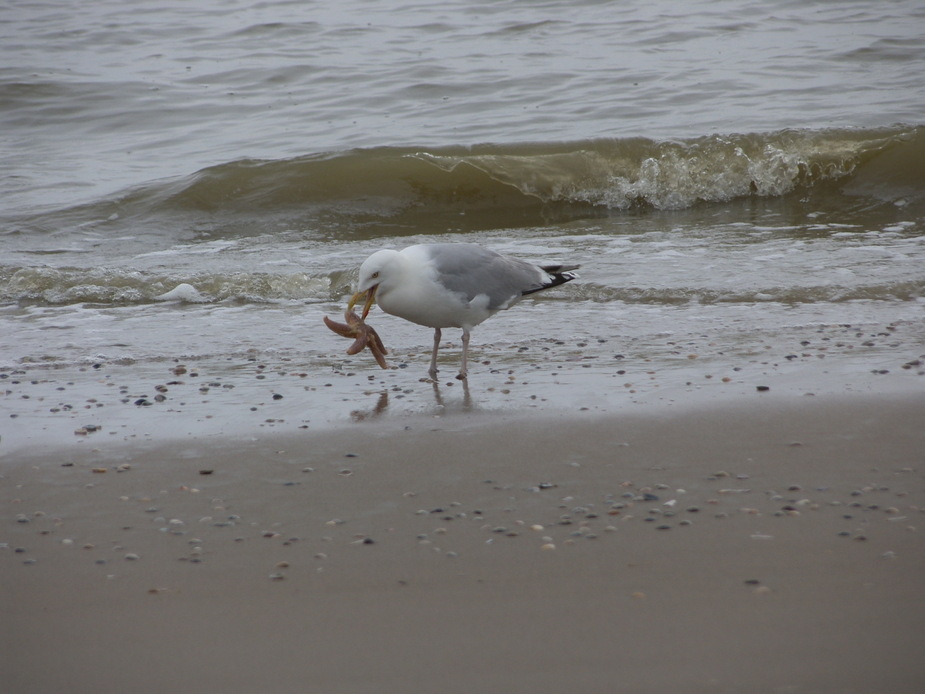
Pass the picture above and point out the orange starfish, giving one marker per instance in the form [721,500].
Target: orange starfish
[364,335]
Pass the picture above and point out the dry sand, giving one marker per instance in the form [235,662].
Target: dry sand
[757,545]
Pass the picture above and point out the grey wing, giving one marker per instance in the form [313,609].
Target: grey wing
[471,270]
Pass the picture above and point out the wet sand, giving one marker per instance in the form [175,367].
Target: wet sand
[755,545]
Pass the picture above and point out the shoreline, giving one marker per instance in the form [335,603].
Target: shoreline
[761,545]
[54,407]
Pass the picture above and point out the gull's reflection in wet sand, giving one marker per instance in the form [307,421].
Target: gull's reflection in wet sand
[377,410]
[466,401]
[440,406]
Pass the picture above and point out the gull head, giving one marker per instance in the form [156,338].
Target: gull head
[381,266]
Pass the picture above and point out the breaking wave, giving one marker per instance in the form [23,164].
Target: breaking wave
[505,185]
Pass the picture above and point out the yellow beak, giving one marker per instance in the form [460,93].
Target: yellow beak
[370,299]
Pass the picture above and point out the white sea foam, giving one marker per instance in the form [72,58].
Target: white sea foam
[185,293]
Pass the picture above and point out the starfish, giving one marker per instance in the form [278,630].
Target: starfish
[364,335]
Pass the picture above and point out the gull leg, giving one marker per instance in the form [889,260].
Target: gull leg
[463,367]
[433,356]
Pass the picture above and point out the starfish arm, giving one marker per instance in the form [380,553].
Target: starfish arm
[377,341]
[380,358]
[362,340]
[376,347]
[340,328]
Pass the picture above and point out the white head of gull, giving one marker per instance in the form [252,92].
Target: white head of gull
[451,285]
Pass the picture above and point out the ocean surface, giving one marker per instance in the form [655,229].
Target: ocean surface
[198,182]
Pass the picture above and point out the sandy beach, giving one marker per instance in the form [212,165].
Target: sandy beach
[757,545]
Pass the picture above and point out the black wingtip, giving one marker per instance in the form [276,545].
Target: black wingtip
[558,274]
[561,278]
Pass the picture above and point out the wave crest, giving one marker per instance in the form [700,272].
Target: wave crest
[500,186]
[613,174]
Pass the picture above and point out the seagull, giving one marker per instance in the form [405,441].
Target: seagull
[451,285]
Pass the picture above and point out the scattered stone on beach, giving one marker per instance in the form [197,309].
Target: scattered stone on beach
[87,429]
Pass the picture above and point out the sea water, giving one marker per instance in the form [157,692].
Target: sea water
[198,182]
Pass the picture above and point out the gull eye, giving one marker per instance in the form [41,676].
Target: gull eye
[375,274]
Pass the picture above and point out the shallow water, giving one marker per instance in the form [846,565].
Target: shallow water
[199,182]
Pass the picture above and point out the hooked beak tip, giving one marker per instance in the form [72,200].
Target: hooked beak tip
[370,295]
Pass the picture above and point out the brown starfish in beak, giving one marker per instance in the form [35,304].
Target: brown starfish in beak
[364,335]
[370,299]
